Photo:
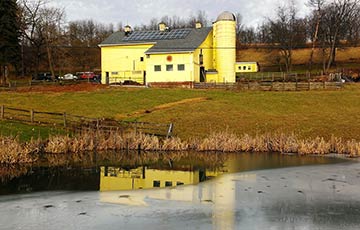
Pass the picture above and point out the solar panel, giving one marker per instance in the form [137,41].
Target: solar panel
[157,35]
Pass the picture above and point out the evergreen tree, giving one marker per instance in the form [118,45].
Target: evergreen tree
[10,54]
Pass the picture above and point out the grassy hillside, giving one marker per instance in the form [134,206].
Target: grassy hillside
[25,132]
[346,57]
[196,113]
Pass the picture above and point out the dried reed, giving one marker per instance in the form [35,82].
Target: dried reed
[12,151]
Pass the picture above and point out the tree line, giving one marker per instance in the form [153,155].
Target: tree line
[35,37]
[330,25]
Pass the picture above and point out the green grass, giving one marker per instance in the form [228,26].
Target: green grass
[105,103]
[307,114]
[25,132]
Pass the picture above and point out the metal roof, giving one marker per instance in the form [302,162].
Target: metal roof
[176,40]
[157,35]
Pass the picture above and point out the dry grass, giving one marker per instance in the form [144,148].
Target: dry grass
[12,151]
[308,114]
[162,107]
[10,171]
[300,56]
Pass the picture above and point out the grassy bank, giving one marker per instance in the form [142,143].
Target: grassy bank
[13,152]
[24,132]
[196,113]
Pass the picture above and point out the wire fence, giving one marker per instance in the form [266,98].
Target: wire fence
[272,86]
[77,123]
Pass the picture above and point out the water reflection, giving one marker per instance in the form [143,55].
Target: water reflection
[145,177]
[289,198]
[286,199]
[124,171]
[117,178]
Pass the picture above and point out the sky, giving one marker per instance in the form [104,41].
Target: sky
[137,12]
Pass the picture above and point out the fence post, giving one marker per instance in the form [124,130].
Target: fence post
[65,121]
[2,112]
[169,132]
[32,116]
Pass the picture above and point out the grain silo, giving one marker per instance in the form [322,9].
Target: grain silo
[225,46]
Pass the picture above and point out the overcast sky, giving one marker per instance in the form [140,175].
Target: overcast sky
[137,12]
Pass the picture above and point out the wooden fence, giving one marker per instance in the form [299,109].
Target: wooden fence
[272,86]
[79,123]
[13,84]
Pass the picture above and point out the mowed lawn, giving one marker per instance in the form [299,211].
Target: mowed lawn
[307,114]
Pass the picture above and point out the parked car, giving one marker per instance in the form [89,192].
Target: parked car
[68,76]
[88,75]
[43,77]
[91,76]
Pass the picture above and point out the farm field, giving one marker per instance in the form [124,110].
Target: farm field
[346,57]
[197,113]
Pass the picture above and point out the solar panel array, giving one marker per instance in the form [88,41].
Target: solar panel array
[157,35]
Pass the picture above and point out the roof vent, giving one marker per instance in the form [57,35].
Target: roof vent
[128,30]
[162,26]
[198,25]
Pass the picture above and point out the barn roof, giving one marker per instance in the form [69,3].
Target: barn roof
[176,40]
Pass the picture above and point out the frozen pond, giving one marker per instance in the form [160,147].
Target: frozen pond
[302,197]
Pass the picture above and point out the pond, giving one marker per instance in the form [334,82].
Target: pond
[101,175]
[183,191]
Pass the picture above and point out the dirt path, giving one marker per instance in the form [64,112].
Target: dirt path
[162,107]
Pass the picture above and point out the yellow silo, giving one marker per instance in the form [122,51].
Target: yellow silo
[225,47]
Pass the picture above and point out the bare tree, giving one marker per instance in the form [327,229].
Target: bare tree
[239,28]
[50,21]
[42,30]
[200,17]
[338,19]
[318,4]
[286,32]
[83,37]
[31,32]
[247,35]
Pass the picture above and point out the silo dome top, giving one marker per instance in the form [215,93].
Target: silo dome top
[226,16]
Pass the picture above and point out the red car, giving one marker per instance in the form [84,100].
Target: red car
[89,76]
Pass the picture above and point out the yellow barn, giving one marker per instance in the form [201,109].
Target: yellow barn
[115,178]
[166,57]
[246,67]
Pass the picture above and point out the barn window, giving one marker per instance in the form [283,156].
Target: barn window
[249,67]
[244,67]
[168,184]
[157,68]
[181,67]
[169,67]
[156,183]
[141,59]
